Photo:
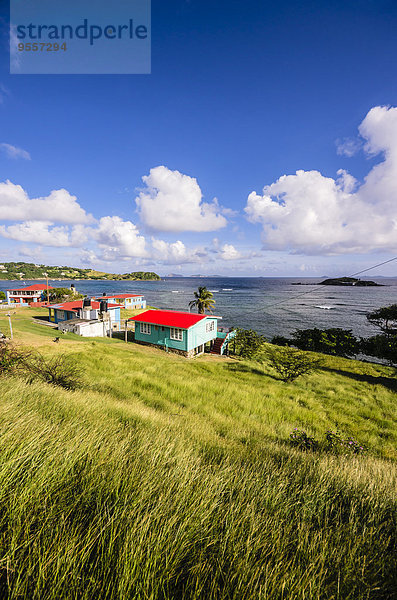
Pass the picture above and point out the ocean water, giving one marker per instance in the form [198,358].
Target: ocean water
[271,306]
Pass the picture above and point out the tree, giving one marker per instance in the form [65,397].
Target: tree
[381,346]
[385,318]
[60,294]
[280,340]
[290,363]
[203,300]
[335,341]
[248,343]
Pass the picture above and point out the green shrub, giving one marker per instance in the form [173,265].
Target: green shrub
[248,343]
[290,363]
[301,440]
[334,341]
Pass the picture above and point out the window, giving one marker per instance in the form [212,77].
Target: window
[210,326]
[176,334]
[145,328]
[61,314]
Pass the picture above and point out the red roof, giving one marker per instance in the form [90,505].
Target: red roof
[37,287]
[183,320]
[121,296]
[76,304]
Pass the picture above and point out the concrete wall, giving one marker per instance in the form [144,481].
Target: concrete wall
[96,329]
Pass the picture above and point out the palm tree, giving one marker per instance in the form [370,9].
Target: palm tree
[204,300]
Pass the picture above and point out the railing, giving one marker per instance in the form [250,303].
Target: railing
[226,336]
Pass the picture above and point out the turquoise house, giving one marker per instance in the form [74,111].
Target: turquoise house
[131,301]
[180,332]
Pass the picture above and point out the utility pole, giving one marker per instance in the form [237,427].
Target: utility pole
[126,331]
[9,319]
[46,276]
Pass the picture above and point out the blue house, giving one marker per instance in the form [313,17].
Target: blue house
[131,301]
[180,332]
[65,311]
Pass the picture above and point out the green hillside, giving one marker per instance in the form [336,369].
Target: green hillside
[163,478]
[22,270]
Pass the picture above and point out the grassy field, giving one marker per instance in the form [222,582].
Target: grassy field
[162,478]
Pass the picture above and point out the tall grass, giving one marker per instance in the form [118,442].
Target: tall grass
[168,479]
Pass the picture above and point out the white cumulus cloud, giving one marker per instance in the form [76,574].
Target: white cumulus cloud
[229,252]
[172,201]
[119,239]
[176,252]
[312,214]
[44,233]
[14,151]
[58,207]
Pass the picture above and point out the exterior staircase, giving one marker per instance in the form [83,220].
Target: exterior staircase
[217,346]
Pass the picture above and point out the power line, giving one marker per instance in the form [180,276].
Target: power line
[313,291]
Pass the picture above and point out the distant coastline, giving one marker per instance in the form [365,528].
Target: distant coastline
[20,271]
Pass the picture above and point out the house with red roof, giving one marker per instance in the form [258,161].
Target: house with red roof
[85,310]
[28,294]
[181,332]
[131,301]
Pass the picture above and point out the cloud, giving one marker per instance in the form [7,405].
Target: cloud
[176,253]
[14,151]
[119,239]
[229,252]
[348,146]
[311,214]
[88,256]
[172,201]
[58,207]
[29,252]
[44,233]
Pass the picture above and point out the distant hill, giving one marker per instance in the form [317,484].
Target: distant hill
[22,270]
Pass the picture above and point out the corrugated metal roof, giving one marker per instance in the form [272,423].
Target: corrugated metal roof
[76,304]
[170,318]
[39,287]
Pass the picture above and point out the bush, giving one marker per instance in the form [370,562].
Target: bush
[248,343]
[291,364]
[334,442]
[334,341]
[2,296]
[12,359]
[280,340]
[61,294]
[381,346]
[301,440]
[58,370]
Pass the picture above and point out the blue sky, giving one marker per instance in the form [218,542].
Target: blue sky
[241,94]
